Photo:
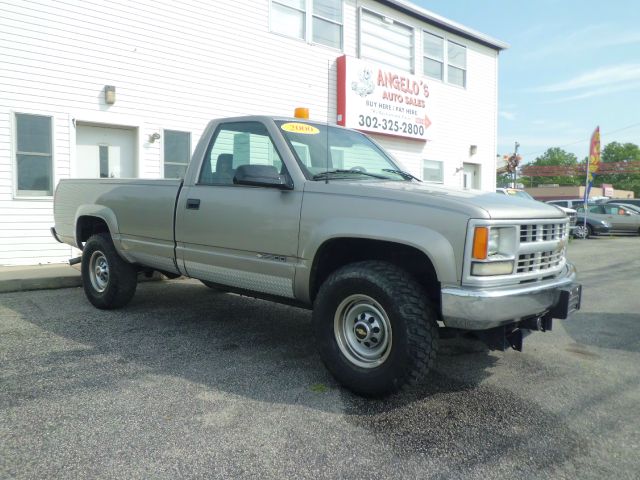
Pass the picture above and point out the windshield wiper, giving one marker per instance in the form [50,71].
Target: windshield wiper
[402,173]
[339,171]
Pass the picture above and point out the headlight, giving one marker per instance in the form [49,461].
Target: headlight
[494,242]
[495,248]
[491,241]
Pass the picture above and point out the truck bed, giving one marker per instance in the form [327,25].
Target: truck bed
[138,212]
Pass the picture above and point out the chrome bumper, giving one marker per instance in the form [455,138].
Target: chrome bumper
[481,309]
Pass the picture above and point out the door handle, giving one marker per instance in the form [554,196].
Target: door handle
[193,203]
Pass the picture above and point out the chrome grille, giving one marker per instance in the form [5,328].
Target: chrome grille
[573,217]
[539,251]
[534,262]
[537,232]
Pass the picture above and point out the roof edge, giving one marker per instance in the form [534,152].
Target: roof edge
[444,23]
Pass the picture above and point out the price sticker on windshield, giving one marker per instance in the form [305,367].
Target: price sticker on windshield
[302,128]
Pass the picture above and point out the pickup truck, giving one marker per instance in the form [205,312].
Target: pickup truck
[322,217]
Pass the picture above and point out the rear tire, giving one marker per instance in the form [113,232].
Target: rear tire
[109,281]
[375,328]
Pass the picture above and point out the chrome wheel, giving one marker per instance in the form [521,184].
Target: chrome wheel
[362,331]
[580,231]
[99,271]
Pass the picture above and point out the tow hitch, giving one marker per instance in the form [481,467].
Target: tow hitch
[512,336]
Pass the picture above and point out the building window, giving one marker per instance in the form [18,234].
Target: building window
[177,151]
[383,40]
[327,23]
[288,17]
[434,59]
[34,158]
[433,50]
[456,64]
[319,21]
[432,171]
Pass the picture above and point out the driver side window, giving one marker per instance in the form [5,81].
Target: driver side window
[236,144]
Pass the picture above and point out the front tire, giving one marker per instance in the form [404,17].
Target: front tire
[109,281]
[375,328]
[581,232]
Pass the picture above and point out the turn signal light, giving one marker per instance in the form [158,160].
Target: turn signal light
[480,243]
[301,112]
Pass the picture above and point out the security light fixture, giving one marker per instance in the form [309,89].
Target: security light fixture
[154,137]
[109,94]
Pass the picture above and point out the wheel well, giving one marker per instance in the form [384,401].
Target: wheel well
[338,252]
[87,226]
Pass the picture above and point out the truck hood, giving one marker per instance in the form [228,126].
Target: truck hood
[474,203]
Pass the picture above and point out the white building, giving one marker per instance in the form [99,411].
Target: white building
[174,65]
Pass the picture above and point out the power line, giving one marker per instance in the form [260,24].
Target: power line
[582,141]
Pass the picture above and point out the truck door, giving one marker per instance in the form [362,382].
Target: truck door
[237,235]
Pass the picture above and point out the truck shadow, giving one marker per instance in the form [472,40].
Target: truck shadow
[617,331]
[266,352]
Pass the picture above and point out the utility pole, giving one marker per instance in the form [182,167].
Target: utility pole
[515,170]
[512,164]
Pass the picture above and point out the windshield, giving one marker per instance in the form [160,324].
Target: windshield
[340,152]
[518,193]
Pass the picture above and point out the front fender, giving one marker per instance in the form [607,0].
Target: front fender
[430,242]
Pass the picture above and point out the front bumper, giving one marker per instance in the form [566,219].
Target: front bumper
[483,308]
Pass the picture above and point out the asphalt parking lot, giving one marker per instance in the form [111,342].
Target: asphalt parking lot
[189,383]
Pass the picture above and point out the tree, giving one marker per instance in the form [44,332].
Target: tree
[556,157]
[620,152]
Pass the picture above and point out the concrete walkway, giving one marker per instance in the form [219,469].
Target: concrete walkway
[39,277]
[48,277]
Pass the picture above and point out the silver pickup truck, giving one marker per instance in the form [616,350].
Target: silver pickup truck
[321,217]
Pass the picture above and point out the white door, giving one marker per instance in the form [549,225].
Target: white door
[105,152]
[471,176]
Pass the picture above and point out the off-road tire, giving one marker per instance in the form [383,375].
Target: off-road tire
[412,320]
[120,285]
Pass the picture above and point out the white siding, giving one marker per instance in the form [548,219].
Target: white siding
[178,64]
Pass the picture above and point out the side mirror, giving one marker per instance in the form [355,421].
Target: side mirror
[261,176]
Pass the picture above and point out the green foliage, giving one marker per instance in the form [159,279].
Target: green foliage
[620,152]
[612,152]
[504,180]
[556,157]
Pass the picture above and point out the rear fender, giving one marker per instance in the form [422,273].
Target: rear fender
[109,217]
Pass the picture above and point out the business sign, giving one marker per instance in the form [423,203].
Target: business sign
[375,98]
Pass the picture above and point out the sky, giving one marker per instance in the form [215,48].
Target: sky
[572,65]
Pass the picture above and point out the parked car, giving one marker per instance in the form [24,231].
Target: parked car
[621,219]
[630,201]
[567,203]
[593,227]
[630,206]
[570,212]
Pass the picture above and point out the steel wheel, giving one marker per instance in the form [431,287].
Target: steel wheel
[99,271]
[363,331]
